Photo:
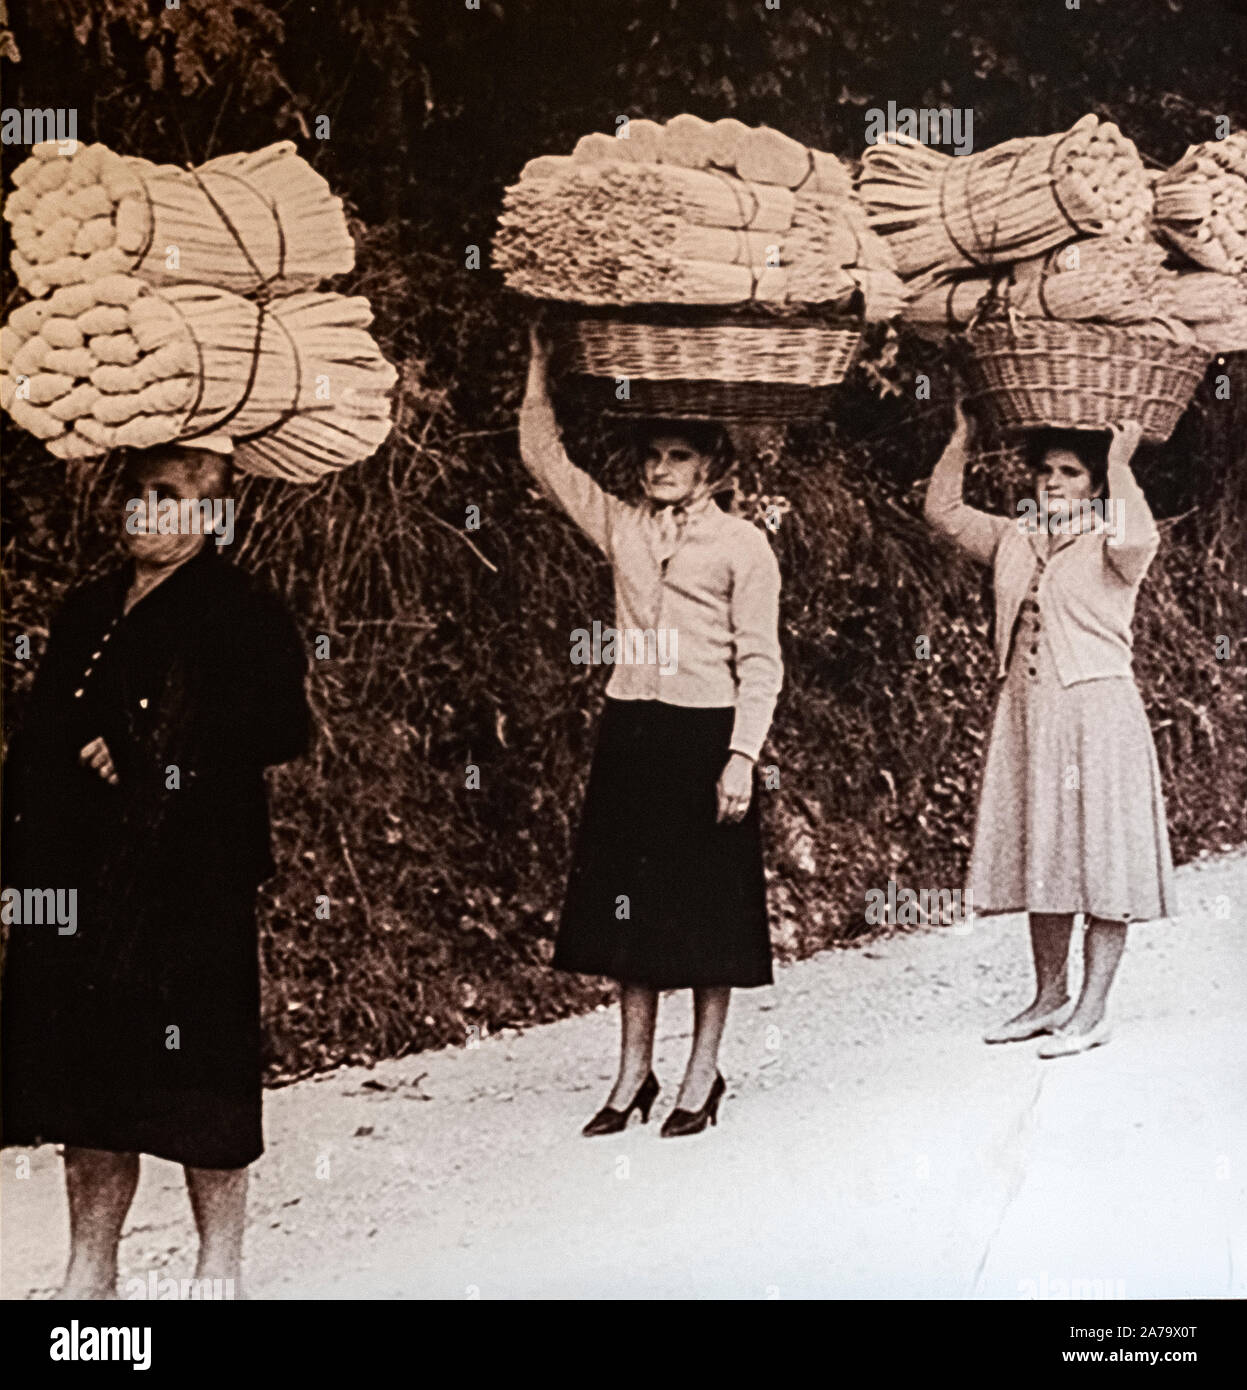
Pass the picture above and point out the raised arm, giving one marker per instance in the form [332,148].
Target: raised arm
[974,531]
[591,507]
[754,613]
[1132,550]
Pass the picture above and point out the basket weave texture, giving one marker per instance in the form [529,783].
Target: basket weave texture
[787,351]
[742,402]
[1081,376]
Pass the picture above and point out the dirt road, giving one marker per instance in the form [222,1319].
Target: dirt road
[870,1146]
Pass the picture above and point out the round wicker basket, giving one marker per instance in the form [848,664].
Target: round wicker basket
[1030,373]
[728,366]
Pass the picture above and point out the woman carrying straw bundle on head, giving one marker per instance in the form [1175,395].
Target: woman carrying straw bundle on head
[1071,819]
[136,783]
[666,889]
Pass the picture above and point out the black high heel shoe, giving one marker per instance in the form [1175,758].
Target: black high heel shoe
[611,1121]
[681,1122]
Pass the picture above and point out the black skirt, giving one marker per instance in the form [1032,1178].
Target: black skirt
[659,893]
[138,1037]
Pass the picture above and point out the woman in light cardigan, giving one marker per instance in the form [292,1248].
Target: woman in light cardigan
[666,889]
[1071,818]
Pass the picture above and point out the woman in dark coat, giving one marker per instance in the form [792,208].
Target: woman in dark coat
[666,889]
[136,781]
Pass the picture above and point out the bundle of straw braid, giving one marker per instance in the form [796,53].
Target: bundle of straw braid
[298,383]
[245,222]
[694,212]
[1201,204]
[1211,306]
[939,213]
[1101,278]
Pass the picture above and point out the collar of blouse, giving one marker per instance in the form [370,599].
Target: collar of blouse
[1047,546]
[673,520]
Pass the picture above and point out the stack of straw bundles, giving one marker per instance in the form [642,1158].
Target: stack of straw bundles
[298,383]
[1101,278]
[243,221]
[1201,204]
[668,216]
[940,213]
[1226,334]
[1212,306]
[753,154]
[648,233]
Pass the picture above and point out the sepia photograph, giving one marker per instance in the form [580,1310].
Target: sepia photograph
[624,669]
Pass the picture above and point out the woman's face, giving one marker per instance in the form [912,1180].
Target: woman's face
[178,481]
[1064,478]
[673,468]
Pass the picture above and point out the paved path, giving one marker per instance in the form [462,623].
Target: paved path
[869,1146]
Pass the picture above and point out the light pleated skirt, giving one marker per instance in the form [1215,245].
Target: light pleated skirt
[1071,816]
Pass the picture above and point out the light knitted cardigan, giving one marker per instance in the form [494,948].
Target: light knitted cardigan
[1086,587]
[713,583]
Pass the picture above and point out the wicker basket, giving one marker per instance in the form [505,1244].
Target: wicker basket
[729,366]
[1030,373]
[741,402]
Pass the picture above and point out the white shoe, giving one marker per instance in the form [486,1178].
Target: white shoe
[1069,1044]
[1022,1032]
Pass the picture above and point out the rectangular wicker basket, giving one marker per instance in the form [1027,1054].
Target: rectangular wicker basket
[728,366]
[1031,373]
[737,402]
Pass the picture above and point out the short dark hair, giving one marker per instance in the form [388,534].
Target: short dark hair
[706,437]
[137,464]
[1090,447]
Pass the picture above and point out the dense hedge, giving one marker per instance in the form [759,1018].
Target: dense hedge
[449,646]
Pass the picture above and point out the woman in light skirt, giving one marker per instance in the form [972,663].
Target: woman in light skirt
[1071,818]
[666,889]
